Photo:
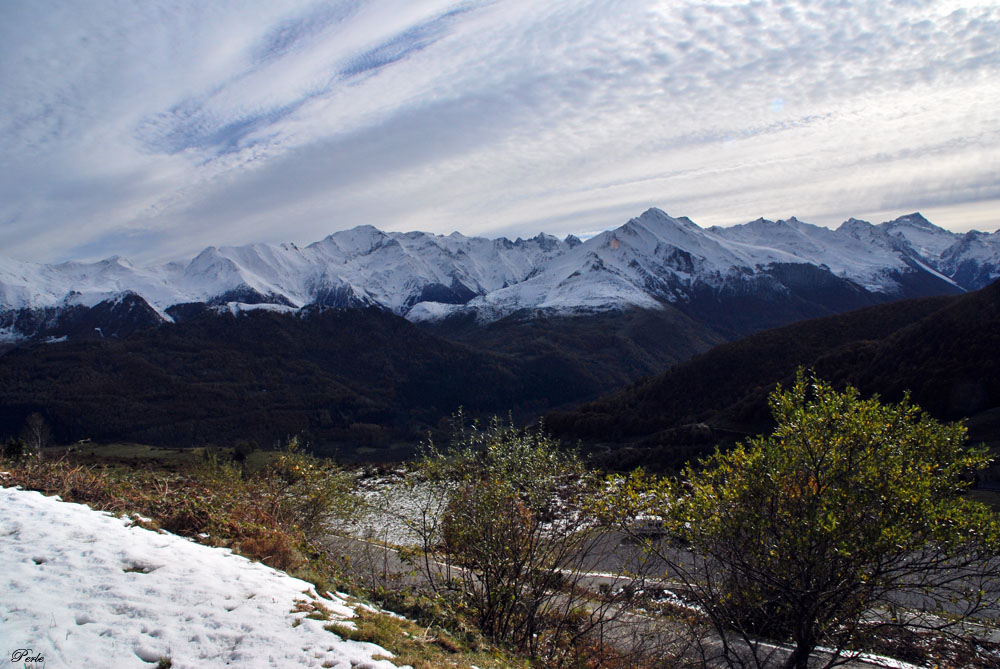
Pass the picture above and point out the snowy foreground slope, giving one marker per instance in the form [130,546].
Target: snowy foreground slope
[82,588]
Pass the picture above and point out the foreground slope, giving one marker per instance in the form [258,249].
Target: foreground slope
[83,588]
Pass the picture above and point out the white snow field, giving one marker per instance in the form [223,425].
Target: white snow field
[82,588]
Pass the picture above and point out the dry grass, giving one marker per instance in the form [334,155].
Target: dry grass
[268,515]
[421,647]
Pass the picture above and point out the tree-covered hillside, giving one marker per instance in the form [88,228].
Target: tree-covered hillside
[943,349]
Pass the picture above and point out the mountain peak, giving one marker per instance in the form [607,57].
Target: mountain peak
[915,220]
[546,242]
[207,255]
[855,224]
[654,214]
[873,236]
[766,226]
[766,223]
[863,231]
[925,238]
[657,219]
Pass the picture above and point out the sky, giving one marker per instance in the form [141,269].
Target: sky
[153,129]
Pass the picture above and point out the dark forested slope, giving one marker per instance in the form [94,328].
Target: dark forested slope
[608,350]
[337,376]
[943,349]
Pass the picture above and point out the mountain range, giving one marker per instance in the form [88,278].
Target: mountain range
[777,272]
[364,341]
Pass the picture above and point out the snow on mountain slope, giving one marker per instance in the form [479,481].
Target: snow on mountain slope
[973,260]
[83,588]
[650,260]
[32,285]
[856,250]
[927,239]
[658,257]
[401,269]
[269,270]
[392,269]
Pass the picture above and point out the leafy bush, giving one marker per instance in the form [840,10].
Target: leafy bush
[833,530]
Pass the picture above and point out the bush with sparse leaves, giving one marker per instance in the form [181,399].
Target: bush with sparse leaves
[515,533]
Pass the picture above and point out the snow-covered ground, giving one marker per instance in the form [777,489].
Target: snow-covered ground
[82,588]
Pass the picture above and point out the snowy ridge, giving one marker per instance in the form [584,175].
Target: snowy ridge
[390,269]
[32,285]
[857,250]
[657,258]
[85,589]
[649,261]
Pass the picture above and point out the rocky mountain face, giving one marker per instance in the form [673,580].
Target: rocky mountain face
[735,280]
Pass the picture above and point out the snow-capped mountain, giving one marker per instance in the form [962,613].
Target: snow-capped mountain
[650,261]
[973,260]
[656,259]
[358,267]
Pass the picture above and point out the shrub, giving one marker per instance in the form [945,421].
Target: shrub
[834,529]
[514,533]
[14,448]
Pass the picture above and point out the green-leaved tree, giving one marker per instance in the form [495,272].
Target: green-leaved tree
[848,522]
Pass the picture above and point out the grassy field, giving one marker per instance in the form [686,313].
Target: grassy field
[143,455]
[172,459]
[125,453]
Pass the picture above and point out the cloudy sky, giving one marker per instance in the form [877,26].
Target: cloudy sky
[151,129]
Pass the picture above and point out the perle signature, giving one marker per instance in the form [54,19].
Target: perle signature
[24,655]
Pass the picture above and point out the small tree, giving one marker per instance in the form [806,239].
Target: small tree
[515,535]
[14,448]
[35,434]
[313,493]
[846,523]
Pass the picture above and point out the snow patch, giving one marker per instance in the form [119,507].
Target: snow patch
[85,589]
[430,311]
[236,308]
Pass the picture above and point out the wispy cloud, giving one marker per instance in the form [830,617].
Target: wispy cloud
[157,128]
